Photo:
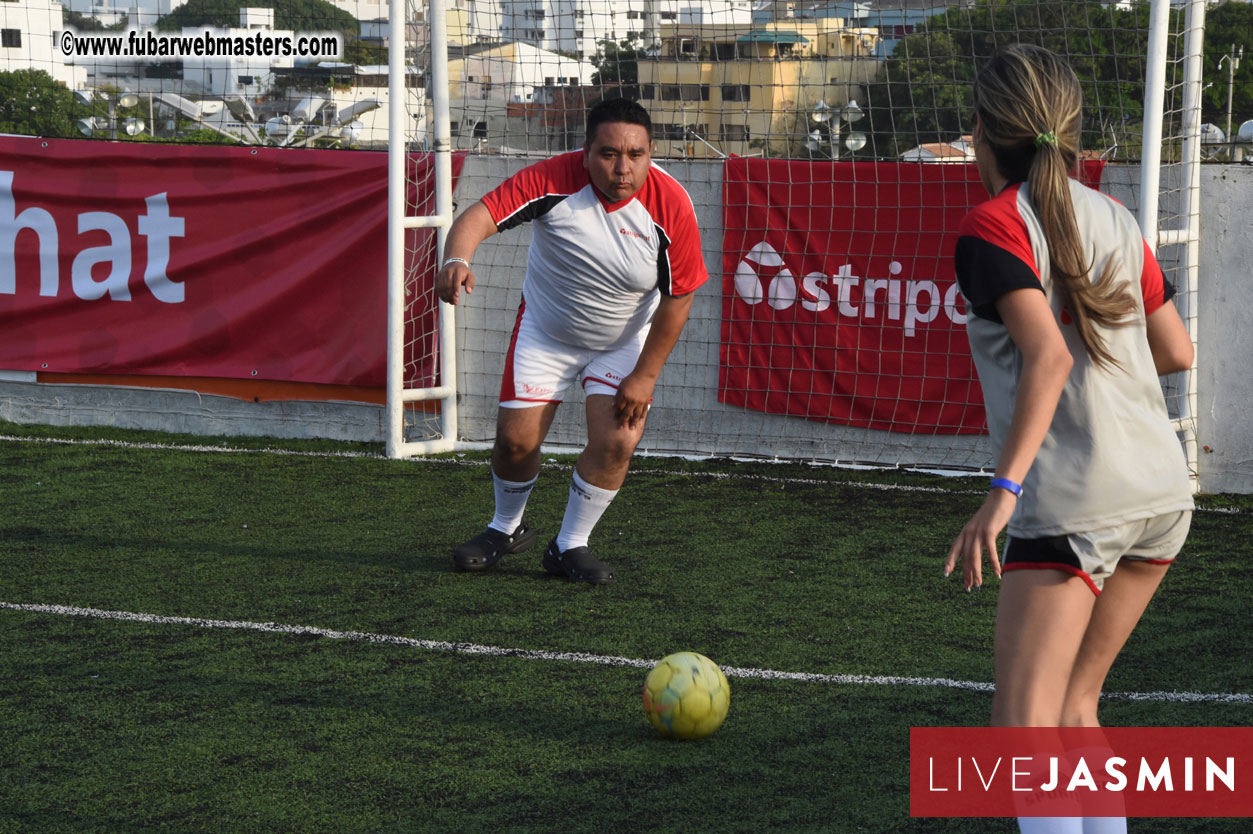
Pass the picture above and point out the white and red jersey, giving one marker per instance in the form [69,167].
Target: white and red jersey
[1111,455]
[595,269]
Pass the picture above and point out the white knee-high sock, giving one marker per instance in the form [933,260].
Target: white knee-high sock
[586,505]
[1050,825]
[1101,825]
[511,499]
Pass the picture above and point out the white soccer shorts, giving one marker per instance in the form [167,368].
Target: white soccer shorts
[539,369]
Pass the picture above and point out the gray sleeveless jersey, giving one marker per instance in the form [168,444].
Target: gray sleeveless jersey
[1111,454]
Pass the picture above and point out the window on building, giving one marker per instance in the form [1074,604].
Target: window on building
[648,92]
[10,38]
[480,130]
[246,80]
[734,133]
[663,130]
[736,92]
[668,16]
[684,92]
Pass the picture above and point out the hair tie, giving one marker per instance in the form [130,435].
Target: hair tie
[1043,139]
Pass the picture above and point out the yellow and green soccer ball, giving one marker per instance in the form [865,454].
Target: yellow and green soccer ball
[686,696]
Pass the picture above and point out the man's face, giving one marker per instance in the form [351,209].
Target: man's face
[617,159]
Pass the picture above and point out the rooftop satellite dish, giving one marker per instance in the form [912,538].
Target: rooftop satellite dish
[278,126]
[1245,134]
[1212,134]
[352,131]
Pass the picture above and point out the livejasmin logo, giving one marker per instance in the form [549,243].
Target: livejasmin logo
[1022,774]
[156,225]
[763,276]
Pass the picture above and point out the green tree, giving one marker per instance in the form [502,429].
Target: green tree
[925,87]
[616,63]
[294,15]
[83,23]
[32,103]
[365,53]
[1227,26]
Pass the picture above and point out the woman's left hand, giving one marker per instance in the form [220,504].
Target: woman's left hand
[980,533]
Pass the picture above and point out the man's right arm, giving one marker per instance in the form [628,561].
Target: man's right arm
[472,227]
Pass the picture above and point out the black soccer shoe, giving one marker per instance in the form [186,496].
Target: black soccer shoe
[578,565]
[485,549]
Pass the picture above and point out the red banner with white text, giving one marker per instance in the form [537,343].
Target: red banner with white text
[840,302]
[231,262]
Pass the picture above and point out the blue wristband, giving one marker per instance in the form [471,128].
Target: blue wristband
[1007,485]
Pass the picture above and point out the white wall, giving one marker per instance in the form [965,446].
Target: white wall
[1225,324]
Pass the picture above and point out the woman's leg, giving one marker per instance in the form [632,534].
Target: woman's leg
[1126,594]
[1041,620]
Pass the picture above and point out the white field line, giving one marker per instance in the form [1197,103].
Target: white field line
[717,476]
[580,657]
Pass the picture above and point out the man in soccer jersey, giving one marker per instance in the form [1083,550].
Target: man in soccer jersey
[614,262]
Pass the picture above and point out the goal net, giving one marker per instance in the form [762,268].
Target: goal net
[827,152]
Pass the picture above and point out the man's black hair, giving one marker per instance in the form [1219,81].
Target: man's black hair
[616,110]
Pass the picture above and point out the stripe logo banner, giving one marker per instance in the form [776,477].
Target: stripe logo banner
[839,298]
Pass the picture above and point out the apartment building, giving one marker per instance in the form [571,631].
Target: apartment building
[26,41]
[576,27]
[750,89]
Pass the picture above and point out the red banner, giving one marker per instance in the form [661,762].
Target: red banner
[234,262]
[840,302]
[1081,772]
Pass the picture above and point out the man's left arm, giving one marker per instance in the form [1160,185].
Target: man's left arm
[636,391]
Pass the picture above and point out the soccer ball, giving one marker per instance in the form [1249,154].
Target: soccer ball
[686,696]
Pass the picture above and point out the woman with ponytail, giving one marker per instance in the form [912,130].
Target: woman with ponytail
[1070,324]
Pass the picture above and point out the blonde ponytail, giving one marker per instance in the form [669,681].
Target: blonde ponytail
[1029,105]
